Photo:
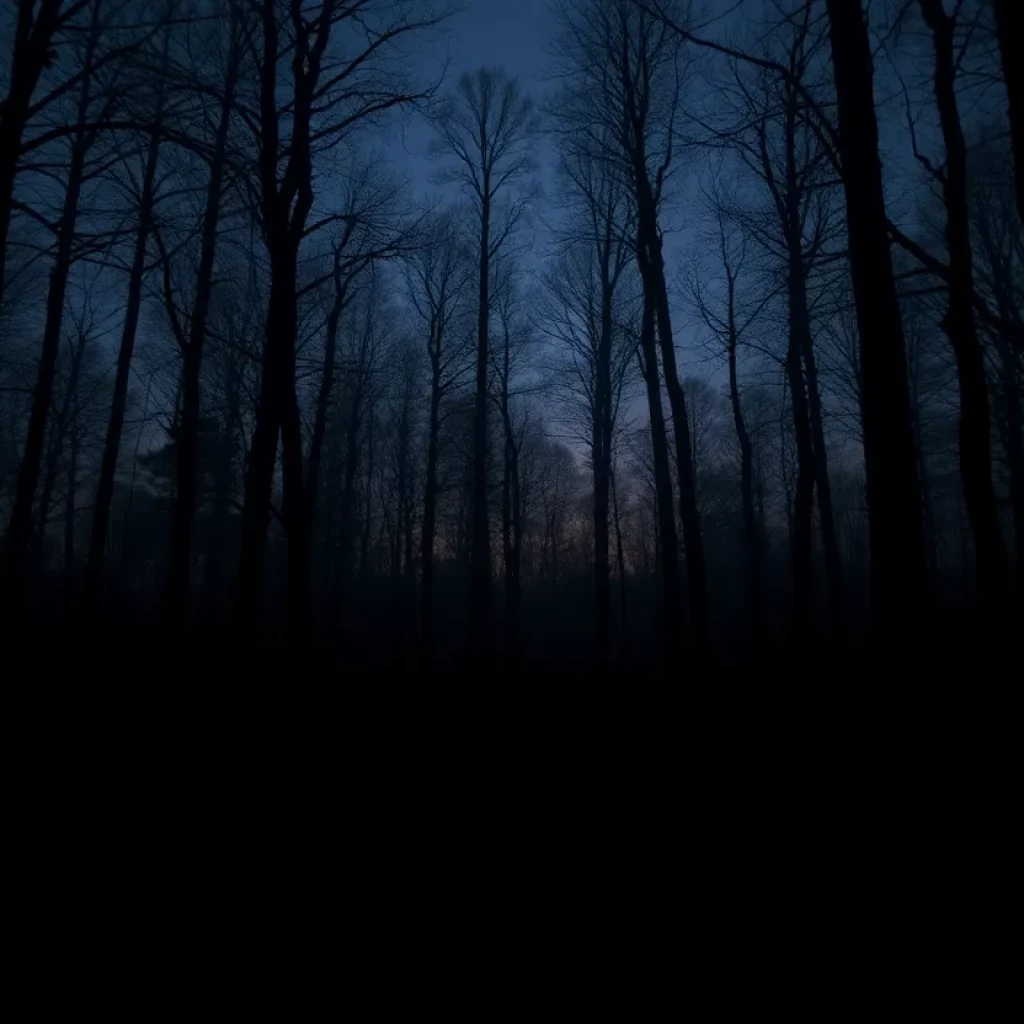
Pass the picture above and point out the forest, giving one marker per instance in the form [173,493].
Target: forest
[331,350]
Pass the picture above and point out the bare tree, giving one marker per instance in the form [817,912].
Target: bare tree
[37,33]
[959,323]
[147,200]
[487,126]
[586,317]
[898,574]
[1014,77]
[437,276]
[627,63]
[176,585]
[728,321]
[82,140]
[329,93]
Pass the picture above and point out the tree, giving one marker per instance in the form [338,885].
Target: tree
[328,96]
[627,63]
[176,585]
[727,323]
[147,201]
[35,38]
[82,141]
[437,276]
[586,316]
[487,126]
[1014,77]
[898,575]
[959,323]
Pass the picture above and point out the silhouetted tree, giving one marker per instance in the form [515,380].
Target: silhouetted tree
[437,276]
[959,322]
[487,125]
[893,487]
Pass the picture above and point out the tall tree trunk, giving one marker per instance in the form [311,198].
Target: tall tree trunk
[1014,76]
[259,477]
[69,518]
[826,510]
[515,593]
[804,497]
[177,581]
[364,553]
[509,501]
[696,571]
[810,434]
[353,441]
[108,468]
[323,399]
[750,527]
[221,505]
[622,570]
[898,575]
[19,534]
[960,327]
[668,544]
[59,433]
[1010,371]
[479,640]
[33,38]
[928,521]
[600,456]
[429,509]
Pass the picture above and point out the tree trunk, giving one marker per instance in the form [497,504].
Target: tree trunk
[20,531]
[221,506]
[33,37]
[601,462]
[177,582]
[696,571]
[928,516]
[69,520]
[898,575]
[622,570]
[57,441]
[429,511]
[750,527]
[804,496]
[826,510]
[479,640]
[105,490]
[668,544]
[960,327]
[1010,370]
[1014,76]
[364,553]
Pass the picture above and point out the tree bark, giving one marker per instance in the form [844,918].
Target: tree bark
[59,432]
[804,497]
[1013,74]
[750,527]
[177,582]
[601,462]
[622,570]
[429,503]
[509,513]
[898,575]
[105,490]
[479,620]
[33,39]
[696,570]
[826,510]
[19,534]
[668,544]
[960,327]
[69,520]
